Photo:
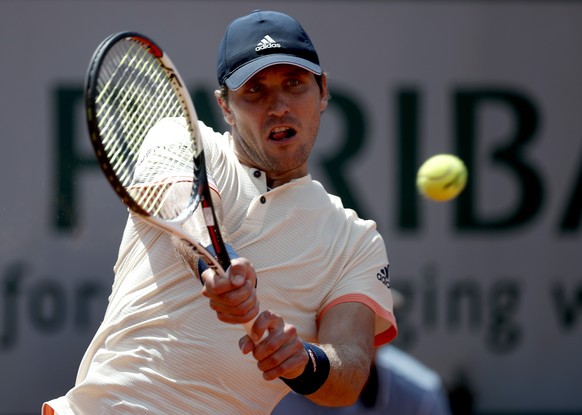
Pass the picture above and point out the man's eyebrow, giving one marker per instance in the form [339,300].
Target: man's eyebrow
[296,71]
[292,71]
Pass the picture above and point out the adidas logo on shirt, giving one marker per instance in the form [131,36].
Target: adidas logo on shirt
[266,43]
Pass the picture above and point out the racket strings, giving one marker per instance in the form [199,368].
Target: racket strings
[129,89]
[134,93]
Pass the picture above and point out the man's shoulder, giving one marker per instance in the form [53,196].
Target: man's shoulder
[209,134]
[334,200]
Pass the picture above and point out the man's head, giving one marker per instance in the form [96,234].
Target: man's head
[259,40]
[272,93]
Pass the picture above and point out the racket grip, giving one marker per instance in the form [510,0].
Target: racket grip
[249,326]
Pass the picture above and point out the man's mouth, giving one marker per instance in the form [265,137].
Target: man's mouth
[282,133]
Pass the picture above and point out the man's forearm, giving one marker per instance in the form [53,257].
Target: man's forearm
[349,370]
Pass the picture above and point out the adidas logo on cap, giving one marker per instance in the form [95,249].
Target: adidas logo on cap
[267,43]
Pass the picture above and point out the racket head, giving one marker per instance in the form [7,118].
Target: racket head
[144,131]
[131,87]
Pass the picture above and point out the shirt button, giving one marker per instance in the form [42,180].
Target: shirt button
[257,173]
[263,200]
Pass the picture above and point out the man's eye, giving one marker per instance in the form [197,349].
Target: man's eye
[254,89]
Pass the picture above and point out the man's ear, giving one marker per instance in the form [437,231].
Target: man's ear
[324,94]
[223,104]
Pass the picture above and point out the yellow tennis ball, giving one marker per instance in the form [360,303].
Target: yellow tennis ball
[441,177]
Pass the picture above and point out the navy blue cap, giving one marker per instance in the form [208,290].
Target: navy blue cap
[261,39]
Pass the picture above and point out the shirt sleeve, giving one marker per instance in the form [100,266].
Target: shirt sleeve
[366,278]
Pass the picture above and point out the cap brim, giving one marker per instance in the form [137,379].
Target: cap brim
[247,71]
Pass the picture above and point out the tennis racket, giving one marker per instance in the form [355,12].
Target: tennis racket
[133,90]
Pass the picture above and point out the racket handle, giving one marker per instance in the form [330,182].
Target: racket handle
[249,326]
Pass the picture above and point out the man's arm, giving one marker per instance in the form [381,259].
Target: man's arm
[195,225]
[346,335]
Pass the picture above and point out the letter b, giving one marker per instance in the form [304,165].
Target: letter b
[510,156]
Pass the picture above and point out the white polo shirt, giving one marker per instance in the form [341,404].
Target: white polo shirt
[160,349]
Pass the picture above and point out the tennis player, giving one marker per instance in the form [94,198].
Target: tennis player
[170,345]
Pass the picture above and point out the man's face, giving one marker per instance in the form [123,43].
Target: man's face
[275,118]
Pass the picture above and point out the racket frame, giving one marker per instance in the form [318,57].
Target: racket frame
[200,189]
